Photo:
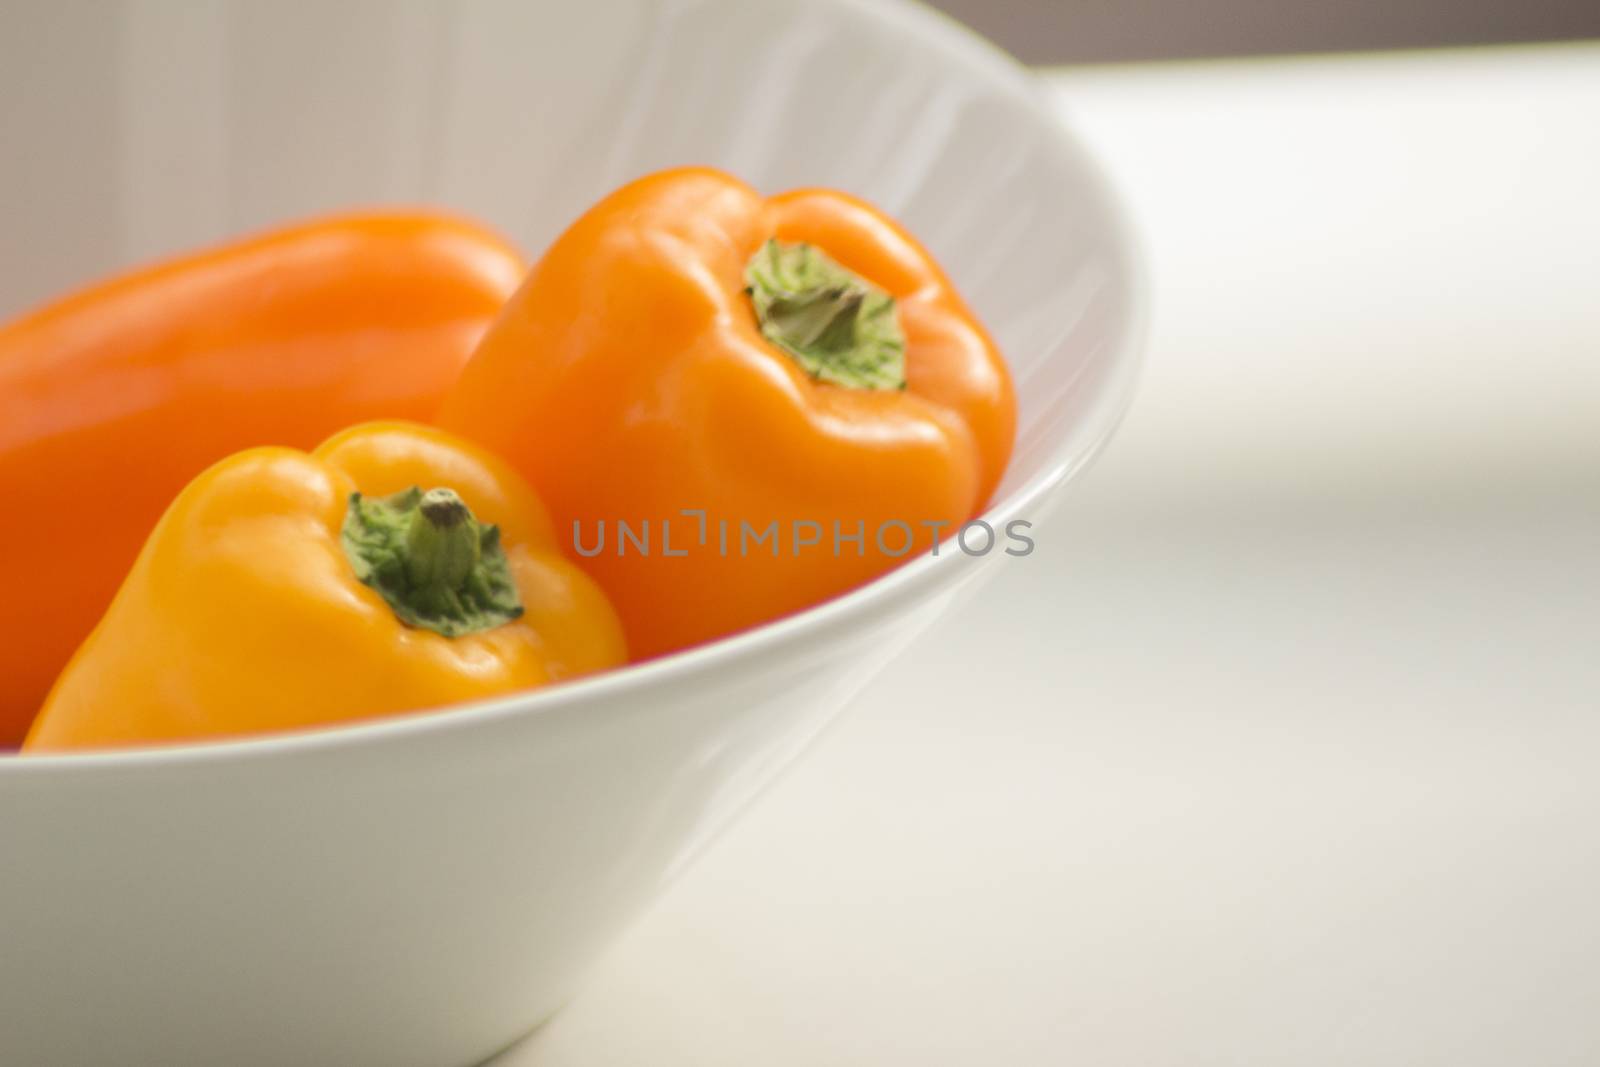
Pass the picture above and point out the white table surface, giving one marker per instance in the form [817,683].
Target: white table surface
[1282,748]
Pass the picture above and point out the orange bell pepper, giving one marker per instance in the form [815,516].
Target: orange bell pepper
[283,590]
[692,355]
[112,399]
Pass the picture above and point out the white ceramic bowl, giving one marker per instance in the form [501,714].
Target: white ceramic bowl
[422,891]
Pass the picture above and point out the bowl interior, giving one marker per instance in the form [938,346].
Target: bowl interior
[138,130]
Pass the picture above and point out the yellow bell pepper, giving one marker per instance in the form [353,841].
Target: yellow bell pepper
[283,589]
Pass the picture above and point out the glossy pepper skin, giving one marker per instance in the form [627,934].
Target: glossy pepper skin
[243,612]
[113,398]
[630,379]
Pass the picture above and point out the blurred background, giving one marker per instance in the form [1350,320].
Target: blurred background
[1103,31]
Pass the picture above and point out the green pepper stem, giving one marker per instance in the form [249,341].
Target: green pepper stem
[433,563]
[441,543]
[839,327]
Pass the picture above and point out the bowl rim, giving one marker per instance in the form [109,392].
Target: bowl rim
[1000,71]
